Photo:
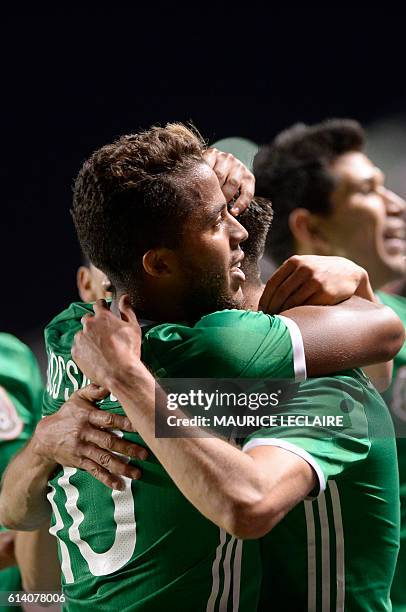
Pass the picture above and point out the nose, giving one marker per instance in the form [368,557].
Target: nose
[395,205]
[238,233]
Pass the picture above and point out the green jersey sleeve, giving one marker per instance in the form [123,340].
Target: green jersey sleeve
[324,423]
[149,549]
[227,344]
[20,396]
[20,410]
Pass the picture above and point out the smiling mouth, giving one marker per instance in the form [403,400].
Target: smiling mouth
[395,233]
[395,241]
[399,235]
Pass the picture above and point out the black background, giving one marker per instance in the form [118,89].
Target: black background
[72,82]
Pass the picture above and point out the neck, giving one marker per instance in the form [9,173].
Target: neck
[161,308]
[252,294]
[153,306]
[253,286]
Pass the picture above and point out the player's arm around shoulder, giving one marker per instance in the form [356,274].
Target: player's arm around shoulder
[76,436]
[342,324]
[283,479]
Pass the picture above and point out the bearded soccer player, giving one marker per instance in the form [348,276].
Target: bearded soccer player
[360,465]
[178,258]
[331,199]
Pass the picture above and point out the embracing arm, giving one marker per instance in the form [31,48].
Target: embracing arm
[37,557]
[342,323]
[246,494]
[73,437]
[23,502]
[352,334]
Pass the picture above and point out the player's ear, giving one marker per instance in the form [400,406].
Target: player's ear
[307,230]
[84,284]
[159,262]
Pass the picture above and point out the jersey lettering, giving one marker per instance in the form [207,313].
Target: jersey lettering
[122,549]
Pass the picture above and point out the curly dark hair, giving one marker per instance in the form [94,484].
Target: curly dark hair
[131,196]
[293,172]
[257,219]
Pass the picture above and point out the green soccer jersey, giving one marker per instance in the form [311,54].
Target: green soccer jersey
[147,548]
[338,551]
[395,397]
[20,410]
[229,344]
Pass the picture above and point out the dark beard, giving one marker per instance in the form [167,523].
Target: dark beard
[204,293]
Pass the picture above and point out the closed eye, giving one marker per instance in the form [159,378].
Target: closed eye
[367,189]
[371,185]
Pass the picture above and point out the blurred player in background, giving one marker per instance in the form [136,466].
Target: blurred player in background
[20,410]
[36,551]
[330,199]
[40,570]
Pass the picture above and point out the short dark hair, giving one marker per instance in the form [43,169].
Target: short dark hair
[85,261]
[257,220]
[293,172]
[131,196]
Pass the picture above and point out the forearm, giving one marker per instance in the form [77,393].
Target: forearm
[355,333]
[23,501]
[37,557]
[379,373]
[228,486]
[218,479]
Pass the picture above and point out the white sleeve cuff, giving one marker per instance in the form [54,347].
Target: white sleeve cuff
[299,358]
[292,448]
